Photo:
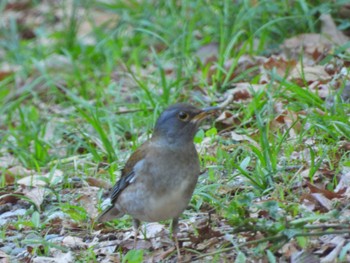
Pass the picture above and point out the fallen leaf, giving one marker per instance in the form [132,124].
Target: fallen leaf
[243,137]
[42,180]
[208,53]
[59,257]
[141,244]
[95,19]
[19,171]
[7,161]
[88,200]
[152,230]
[328,194]
[244,91]
[281,64]
[74,242]
[302,74]
[227,119]
[322,90]
[288,249]
[104,247]
[287,121]
[308,202]
[241,65]
[304,257]
[92,181]
[329,28]
[9,197]
[36,195]
[307,45]
[4,258]
[344,184]
[323,201]
[5,74]
[332,256]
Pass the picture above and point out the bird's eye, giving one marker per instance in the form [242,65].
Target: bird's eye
[183,116]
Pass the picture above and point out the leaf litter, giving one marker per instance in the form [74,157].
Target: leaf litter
[198,232]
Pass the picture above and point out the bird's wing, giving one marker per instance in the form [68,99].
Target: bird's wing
[128,173]
[121,185]
[127,177]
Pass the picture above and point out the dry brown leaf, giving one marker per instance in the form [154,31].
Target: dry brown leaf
[244,91]
[244,63]
[308,202]
[226,119]
[88,200]
[4,258]
[332,256]
[37,195]
[59,257]
[9,178]
[98,18]
[141,244]
[322,200]
[208,53]
[307,44]
[330,29]
[288,249]
[40,180]
[153,230]
[56,62]
[302,74]
[345,146]
[328,194]
[9,197]
[106,247]
[304,257]
[17,6]
[92,181]
[19,171]
[7,161]
[322,90]
[5,74]
[74,242]
[242,137]
[14,172]
[288,121]
[281,64]
[344,184]
[205,232]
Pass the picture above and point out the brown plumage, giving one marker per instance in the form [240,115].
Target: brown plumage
[159,178]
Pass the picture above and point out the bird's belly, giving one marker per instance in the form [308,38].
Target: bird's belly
[150,207]
[166,207]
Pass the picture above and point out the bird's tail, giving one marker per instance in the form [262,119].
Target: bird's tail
[109,214]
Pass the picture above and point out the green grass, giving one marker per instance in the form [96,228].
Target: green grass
[63,105]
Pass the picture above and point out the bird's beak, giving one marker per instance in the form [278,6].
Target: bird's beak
[205,112]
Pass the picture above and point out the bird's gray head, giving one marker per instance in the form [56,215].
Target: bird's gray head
[179,123]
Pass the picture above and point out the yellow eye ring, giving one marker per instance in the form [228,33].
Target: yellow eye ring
[183,116]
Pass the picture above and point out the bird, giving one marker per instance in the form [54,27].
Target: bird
[158,179]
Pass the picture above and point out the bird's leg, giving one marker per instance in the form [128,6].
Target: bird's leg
[136,226]
[174,230]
